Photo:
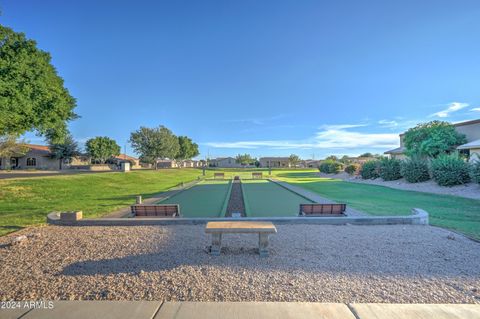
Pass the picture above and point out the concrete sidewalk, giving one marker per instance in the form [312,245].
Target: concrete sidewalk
[238,310]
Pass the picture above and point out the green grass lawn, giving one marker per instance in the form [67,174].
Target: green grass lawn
[263,199]
[27,201]
[206,199]
[461,214]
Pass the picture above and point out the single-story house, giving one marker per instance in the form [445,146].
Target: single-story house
[473,148]
[225,162]
[471,130]
[167,163]
[274,162]
[134,162]
[37,157]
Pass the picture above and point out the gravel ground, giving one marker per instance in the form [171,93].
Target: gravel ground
[403,264]
[470,190]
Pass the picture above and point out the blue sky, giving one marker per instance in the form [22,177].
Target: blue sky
[263,77]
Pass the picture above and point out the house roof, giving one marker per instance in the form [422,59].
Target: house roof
[473,144]
[126,157]
[398,150]
[42,149]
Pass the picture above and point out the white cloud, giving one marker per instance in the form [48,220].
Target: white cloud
[328,137]
[475,109]
[388,123]
[452,107]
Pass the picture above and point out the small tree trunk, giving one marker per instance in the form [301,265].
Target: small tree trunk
[60,163]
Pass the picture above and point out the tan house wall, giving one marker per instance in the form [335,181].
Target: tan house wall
[274,162]
[41,161]
[471,131]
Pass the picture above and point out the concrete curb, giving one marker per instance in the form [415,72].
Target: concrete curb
[418,217]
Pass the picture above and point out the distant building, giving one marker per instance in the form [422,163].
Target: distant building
[274,162]
[471,129]
[167,163]
[310,163]
[37,157]
[224,162]
[134,162]
[190,163]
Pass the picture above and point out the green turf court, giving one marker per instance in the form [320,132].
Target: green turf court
[205,199]
[266,199]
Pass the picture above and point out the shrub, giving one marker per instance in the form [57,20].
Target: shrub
[351,169]
[330,167]
[475,172]
[369,170]
[415,169]
[449,170]
[389,169]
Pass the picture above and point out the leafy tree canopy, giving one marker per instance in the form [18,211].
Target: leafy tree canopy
[332,158]
[244,159]
[101,148]
[432,139]
[155,143]
[367,155]
[10,146]
[64,149]
[294,160]
[32,94]
[188,148]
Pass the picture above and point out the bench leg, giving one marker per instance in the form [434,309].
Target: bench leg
[216,244]
[263,245]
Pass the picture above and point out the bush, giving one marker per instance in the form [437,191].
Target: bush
[351,169]
[475,172]
[389,169]
[415,169]
[449,170]
[369,170]
[330,167]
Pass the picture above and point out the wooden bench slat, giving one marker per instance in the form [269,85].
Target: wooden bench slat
[155,210]
[322,209]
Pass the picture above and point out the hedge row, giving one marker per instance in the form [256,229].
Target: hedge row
[446,170]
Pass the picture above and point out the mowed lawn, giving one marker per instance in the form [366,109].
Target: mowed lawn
[27,201]
[456,213]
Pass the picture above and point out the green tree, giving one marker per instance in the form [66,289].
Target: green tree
[11,146]
[244,159]
[64,150]
[294,160]
[432,139]
[188,149]
[366,155]
[332,158]
[345,159]
[32,94]
[154,143]
[101,148]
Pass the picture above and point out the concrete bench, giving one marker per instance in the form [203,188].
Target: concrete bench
[263,229]
[151,210]
[318,210]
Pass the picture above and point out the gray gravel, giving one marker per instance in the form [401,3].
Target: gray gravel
[405,264]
